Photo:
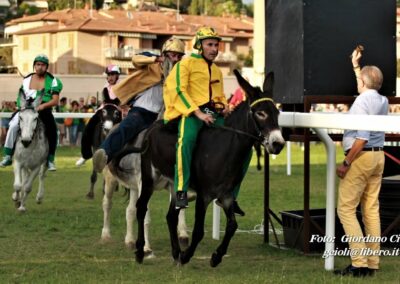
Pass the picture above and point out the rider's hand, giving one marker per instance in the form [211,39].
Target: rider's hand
[207,118]
[39,108]
[355,57]
[160,59]
[228,110]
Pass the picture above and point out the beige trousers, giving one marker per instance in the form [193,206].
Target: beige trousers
[361,185]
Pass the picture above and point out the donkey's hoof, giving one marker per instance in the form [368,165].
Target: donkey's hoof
[38,201]
[183,242]
[215,259]
[139,255]
[130,244]
[184,258]
[22,209]
[90,195]
[17,204]
[105,239]
[149,254]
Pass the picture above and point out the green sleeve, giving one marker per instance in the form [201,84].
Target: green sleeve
[56,86]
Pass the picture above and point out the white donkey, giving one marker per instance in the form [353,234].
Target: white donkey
[31,151]
[128,174]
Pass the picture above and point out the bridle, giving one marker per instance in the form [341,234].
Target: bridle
[37,124]
[259,137]
[114,105]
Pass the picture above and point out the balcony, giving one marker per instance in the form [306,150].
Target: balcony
[4,42]
[226,57]
[126,52]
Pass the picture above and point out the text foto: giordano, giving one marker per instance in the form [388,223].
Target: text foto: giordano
[356,239]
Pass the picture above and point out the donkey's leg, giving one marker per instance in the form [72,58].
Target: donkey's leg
[93,179]
[141,206]
[182,229]
[198,231]
[40,194]
[231,227]
[131,217]
[27,180]
[147,247]
[172,220]
[17,183]
[110,184]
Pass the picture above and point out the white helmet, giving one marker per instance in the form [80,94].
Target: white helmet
[113,69]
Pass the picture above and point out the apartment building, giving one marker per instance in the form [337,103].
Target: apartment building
[80,41]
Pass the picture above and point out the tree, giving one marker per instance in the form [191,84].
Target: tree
[65,4]
[195,7]
[215,7]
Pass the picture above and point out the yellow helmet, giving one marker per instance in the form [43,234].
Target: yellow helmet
[204,33]
[173,44]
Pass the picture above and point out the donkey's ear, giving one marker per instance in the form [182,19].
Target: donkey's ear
[269,84]
[37,101]
[22,99]
[249,89]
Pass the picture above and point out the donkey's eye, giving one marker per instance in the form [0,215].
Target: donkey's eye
[261,115]
[104,112]
[116,113]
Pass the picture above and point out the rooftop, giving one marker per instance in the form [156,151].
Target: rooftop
[134,21]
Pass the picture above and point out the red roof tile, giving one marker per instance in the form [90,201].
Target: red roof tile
[134,21]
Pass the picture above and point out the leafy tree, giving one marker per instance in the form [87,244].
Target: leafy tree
[228,7]
[215,7]
[26,9]
[249,9]
[195,7]
[65,4]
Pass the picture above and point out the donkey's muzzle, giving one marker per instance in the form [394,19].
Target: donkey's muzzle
[277,147]
[26,143]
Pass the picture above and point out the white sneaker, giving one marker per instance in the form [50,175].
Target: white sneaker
[80,162]
[51,166]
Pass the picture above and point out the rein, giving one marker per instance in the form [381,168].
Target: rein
[259,137]
[37,124]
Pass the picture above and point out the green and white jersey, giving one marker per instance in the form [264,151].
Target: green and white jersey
[52,85]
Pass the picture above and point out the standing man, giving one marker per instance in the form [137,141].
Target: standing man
[143,92]
[361,174]
[40,83]
[191,92]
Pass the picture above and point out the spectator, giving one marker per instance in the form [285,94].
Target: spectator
[62,107]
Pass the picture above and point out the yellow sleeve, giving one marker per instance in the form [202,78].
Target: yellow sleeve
[184,103]
[218,90]
[141,61]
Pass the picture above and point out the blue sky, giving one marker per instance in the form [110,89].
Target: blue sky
[248,1]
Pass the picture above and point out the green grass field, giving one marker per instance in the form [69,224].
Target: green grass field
[59,240]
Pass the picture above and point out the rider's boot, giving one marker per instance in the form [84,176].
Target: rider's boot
[7,161]
[99,160]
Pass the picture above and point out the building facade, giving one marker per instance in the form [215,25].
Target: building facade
[80,41]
